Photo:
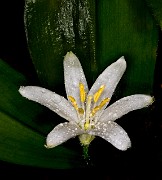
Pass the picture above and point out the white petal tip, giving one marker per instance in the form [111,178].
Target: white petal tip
[49,146]
[152,99]
[124,148]
[69,55]
[148,100]
[122,57]
[28,92]
[22,90]
[50,142]
[122,60]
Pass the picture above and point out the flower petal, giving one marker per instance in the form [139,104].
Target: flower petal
[124,106]
[73,74]
[113,133]
[53,101]
[62,133]
[110,78]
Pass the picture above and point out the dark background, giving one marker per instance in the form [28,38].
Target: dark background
[144,161]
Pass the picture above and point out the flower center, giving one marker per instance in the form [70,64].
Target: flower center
[88,112]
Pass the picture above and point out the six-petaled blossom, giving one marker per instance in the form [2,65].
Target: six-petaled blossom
[86,110]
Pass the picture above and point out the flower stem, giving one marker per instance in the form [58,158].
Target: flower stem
[85,151]
[85,154]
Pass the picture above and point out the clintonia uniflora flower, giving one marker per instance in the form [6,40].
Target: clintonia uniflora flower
[86,110]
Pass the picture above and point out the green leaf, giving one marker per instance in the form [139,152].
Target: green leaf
[22,145]
[98,32]
[54,27]
[127,28]
[18,107]
[156,7]
[20,127]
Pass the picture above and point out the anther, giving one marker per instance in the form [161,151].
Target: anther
[73,101]
[104,102]
[94,110]
[99,107]
[98,93]
[81,111]
[82,92]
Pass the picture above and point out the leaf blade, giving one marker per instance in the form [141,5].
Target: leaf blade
[55,27]
[129,30]
[22,145]
[156,7]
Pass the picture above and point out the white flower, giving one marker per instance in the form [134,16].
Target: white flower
[85,110]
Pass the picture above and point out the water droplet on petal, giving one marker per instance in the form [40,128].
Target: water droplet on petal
[115,115]
[71,62]
[121,132]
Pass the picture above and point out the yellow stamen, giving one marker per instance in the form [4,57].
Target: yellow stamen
[81,111]
[73,101]
[98,93]
[82,92]
[104,102]
[94,110]
[97,108]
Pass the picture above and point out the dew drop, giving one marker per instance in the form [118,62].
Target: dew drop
[43,90]
[115,115]
[56,99]
[121,132]
[57,110]
[71,62]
